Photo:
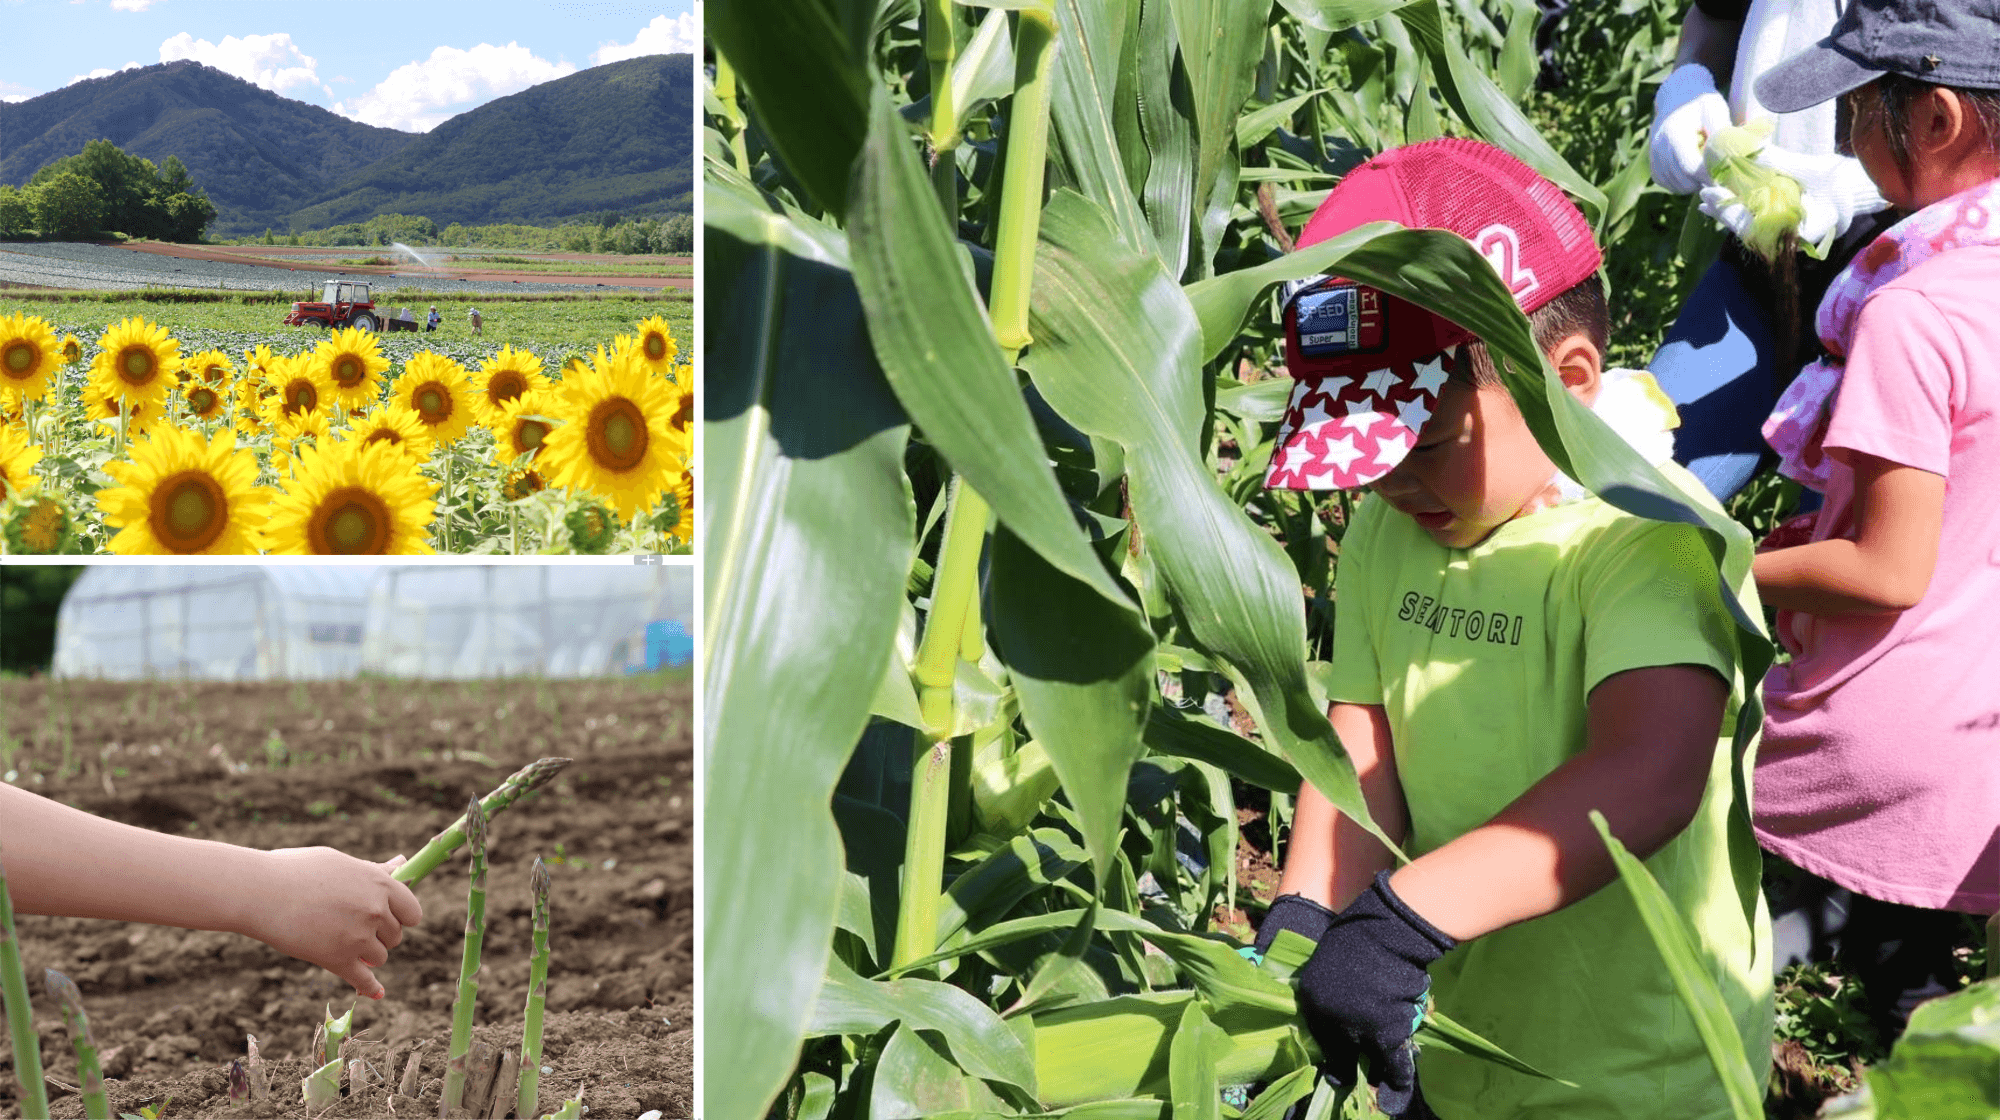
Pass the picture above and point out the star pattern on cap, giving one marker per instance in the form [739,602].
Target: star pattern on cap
[1341,432]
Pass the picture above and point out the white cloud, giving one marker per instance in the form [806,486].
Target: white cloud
[101,72]
[130,5]
[271,61]
[679,35]
[419,96]
[16,96]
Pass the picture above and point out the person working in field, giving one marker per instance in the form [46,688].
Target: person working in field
[1510,653]
[1879,774]
[431,324]
[319,905]
[474,316]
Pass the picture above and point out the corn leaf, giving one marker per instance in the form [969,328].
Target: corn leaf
[914,1080]
[937,351]
[1282,1094]
[1339,15]
[1698,992]
[1116,354]
[1155,136]
[1083,144]
[1221,41]
[1948,1061]
[992,887]
[1083,669]
[807,89]
[979,1042]
[1191,1066]
[806,536]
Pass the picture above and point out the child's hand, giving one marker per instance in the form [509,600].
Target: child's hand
[338,912]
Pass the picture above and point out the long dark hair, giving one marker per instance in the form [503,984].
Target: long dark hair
[1895,93]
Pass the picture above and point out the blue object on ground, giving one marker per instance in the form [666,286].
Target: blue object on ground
[668,645]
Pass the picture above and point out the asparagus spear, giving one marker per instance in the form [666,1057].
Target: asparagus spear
[525,780]
[468,970]
[323,1086]
[20,1017]
[335,1032]
[239,1081]
[538,990]
[89,1074]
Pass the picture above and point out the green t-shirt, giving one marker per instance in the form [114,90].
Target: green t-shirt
[1483,659]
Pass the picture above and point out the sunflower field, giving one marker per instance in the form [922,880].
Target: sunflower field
[134,440]
[1000,622]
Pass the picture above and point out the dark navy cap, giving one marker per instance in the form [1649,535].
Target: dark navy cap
[1943,42]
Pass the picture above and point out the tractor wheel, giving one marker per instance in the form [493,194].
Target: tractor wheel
[316,324]
[364,322]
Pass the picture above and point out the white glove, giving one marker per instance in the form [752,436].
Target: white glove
[1685,112]
[1833,189]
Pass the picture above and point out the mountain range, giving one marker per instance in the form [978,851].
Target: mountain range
[612,137]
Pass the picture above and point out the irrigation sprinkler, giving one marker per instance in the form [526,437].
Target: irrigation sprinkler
[518,784]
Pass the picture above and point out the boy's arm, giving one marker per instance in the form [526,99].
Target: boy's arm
[1331,859]
[341,913]
[1651,741]
[1886,567]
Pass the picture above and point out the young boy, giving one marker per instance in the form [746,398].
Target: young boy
[319,905]
[1511,652]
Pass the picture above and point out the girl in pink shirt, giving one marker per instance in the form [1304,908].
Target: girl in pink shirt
[1880,765]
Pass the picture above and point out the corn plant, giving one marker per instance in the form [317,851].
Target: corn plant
[988,551]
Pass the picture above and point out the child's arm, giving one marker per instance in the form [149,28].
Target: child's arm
[1330,859]
[319,905]
[1886,567]
[1651,741]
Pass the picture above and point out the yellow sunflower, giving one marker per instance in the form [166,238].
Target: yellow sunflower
[105,410]
[524,426]
[42,524]
[300,388]
[70,350]
[617,439]
[392,424]
[136,360]
[29,354]
[185,494]
[288,430]
[17,460]
[438,391]
[257,362]
[351,363]
[210,367]
[519,484]
[206,402]
[684,494]
[656,346]
[353,498]
[503,379]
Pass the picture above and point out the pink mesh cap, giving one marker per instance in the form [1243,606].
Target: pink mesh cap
[1369,365]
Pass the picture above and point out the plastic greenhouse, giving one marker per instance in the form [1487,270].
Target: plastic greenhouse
[569,620]
[267,622]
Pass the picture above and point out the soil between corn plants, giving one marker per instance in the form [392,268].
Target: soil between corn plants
[364,769]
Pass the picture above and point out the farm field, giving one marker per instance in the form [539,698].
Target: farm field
[105,266]
[483,499]
[373,767]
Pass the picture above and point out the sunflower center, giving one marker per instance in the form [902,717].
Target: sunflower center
[505,386]
[212,374]
[656,347]
[20,358]
[616,434]
[189,511]
[384,435]
[528,437]
[348,371]
[71,351]
[201,400]
[520,484]
[137,365]
[684,415]
[351,520]
[433,403]
[42,529]
[301,397]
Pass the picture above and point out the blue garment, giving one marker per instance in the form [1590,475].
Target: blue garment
[1718,366]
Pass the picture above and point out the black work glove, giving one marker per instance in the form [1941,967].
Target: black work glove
[1362,993]
[1294,912]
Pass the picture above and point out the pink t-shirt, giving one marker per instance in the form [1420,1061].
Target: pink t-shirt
[1880,764]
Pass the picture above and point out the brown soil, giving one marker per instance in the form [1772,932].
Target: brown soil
[367,767]
[270,256]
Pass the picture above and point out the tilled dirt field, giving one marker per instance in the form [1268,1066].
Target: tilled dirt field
[373,767]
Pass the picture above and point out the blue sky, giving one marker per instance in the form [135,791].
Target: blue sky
[403,64]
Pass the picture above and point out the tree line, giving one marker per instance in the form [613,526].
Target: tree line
[604,232]
[104,189]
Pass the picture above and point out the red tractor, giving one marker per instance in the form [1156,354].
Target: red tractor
[344,303]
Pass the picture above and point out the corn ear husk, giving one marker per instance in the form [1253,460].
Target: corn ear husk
[1773,198]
